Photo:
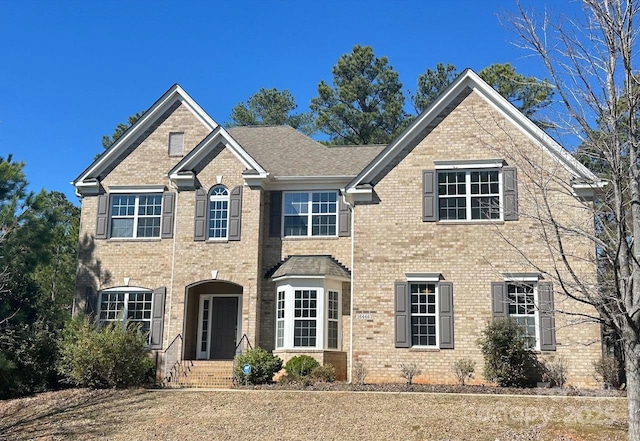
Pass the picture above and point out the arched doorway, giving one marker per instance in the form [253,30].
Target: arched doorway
[213,322]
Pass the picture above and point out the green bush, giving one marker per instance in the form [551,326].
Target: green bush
[301,366]
[264,365]
[326,373]
[507,360]
[111,356]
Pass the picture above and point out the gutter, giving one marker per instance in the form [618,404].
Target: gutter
[352,207]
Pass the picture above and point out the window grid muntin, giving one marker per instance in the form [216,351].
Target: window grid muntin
[522,308]
[280,319]
[316,209]
[424,329]
[136,216]
[218,212]
[134,306]
[305,311]
[469,195]
[332,319]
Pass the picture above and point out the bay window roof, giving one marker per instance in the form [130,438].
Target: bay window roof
[309,266]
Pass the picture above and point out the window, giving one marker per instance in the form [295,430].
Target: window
[522,307]
[310,214]
[280,320]
[218,212]
[308,315]
[136,216]
[134,306]
[469,195]
[423,314]
[176,144]
[305,313]
[332,323]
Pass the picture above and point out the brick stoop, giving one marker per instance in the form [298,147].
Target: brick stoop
[204,373]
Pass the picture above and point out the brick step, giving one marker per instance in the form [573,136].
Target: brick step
[204,373]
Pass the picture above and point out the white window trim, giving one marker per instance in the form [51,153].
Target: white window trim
[122,314]
[138,189]
[153,191]
[469,164]
[322,287]
[310,213]
[437,314]
[468,196]
[212,198]
[530,280]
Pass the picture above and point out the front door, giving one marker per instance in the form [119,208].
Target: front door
[217,327]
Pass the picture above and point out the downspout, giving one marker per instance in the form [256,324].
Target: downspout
[353,235]
[173,259]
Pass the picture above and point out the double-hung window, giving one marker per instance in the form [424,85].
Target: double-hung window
[218,212]
[310,213]
[469,195]
[424,316]
[136,215]
[132,306]
[305,318]
[522,308]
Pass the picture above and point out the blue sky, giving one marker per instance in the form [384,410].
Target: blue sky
[74,69]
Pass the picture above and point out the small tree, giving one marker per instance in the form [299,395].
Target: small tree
[463,369]
[409,371]
[507,360]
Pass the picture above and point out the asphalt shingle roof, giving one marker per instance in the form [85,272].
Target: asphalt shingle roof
[310,266]
[283,151]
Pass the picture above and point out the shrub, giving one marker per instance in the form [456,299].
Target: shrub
[326,373]
[111,356]
[463,369]
[607,371]
[409,371]
[301,366]
[264,365]
[359,372]
[556,372]
[507,360]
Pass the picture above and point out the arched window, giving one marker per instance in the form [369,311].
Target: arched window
[218,212]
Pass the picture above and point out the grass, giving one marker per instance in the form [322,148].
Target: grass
[290,415]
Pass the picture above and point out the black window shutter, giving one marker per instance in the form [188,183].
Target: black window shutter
[275,214]
[91,302]
[499,302]
[168,202]
[344,218]
[510,185]
[547,319]
[429,196]
[235,213]
[200,219]
[102,223]
[402,315]
[446,315]
[157,317]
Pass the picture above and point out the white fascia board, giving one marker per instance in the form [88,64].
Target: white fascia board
[588,190]
[363,193]
[312,277]
[307,182]
[196,110]
[469,163]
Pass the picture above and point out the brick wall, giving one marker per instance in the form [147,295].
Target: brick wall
[392,240]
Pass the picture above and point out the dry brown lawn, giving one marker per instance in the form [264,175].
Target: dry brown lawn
[291,415]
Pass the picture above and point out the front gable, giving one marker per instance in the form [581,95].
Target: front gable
[175,118]
[467,88]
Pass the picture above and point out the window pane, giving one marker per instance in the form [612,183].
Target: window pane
[296,203]
[323,226]
[122,227]
[423,314]
[295,226]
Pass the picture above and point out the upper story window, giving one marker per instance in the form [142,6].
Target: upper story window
[218,212]
[310,213]
[469,195]
[136,216]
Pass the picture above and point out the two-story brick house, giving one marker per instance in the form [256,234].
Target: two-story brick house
[378,254]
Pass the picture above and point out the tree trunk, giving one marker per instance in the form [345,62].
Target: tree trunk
[632,356]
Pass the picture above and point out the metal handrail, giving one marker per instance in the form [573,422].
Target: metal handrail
[172,357]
